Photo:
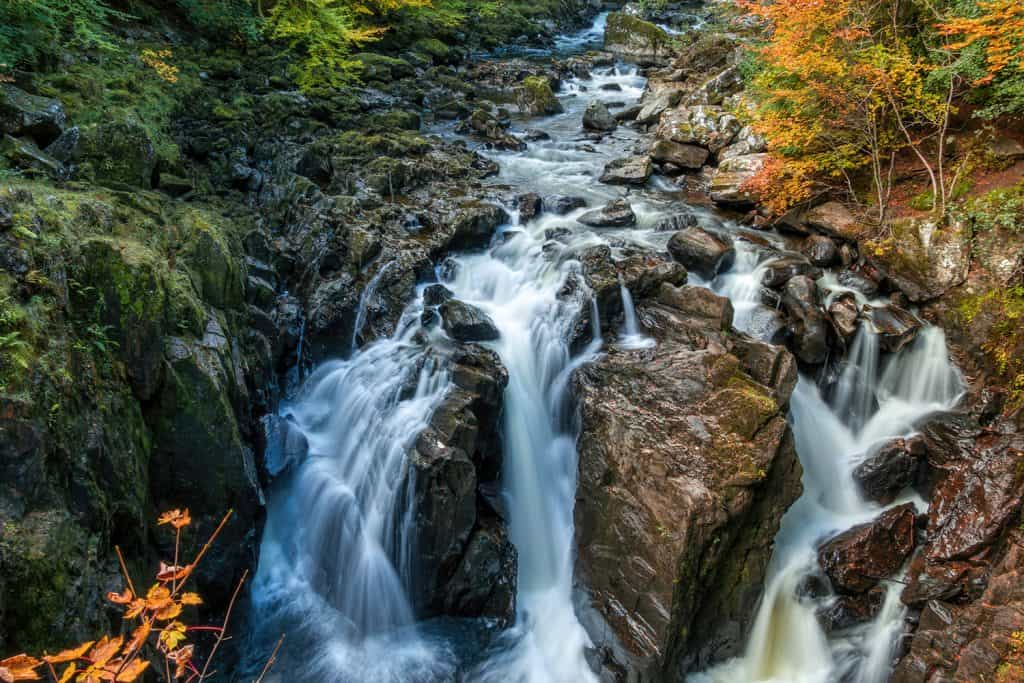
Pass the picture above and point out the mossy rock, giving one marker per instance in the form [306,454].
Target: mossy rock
[633,38]
[374,67]
[128,296]
[436,49]
[117,154]
[215,269]
[537,98]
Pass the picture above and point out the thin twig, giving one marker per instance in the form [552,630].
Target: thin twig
[124,570]
[224,625]
[270,662]
[209,542]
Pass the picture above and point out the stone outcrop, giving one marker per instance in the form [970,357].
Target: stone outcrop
[636,40]
[686,464]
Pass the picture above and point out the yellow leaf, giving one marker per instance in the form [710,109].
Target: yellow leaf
[135,609]
[68,673]
[191,599]
[139,636]
[172,635]
[169,612]
[176,518]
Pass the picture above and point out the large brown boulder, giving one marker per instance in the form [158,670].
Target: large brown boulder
[686,465]
[857,559]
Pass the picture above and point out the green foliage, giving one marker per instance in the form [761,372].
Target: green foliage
[34,29]
[1001,209]
[220,19]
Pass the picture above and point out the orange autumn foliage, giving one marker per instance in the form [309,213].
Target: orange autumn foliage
[1000,25]
[158,633]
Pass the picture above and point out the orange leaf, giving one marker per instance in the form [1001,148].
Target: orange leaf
[135,609]
[19,668]
[68,673]
[191,599]
[169,612]
[181,657]
[121,598]
[69,655]
[139,636]
[105,650]
[176,518]
[133,670]
[169,572]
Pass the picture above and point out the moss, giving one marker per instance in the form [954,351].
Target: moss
[536,96]
[624,29]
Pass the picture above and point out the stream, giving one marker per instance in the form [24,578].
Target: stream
[336,567]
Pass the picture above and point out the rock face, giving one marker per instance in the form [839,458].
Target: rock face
[857,559]
[702,125]
[835,220]
[702,252]
[689,157]
[637,40]
[925,261]
[685,466]
[33,116]
[894,326]
[808,332]
[892,468]
[598,118]
[614,214]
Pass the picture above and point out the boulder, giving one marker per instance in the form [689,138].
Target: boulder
[835,220]
[652,108]
[529,205]
[781,270]
[561,205]
[483,124]
[614,214]
[685,468]
[702,252]
[746,142]
[689,157]
[484,585]
[536,97]
[465,323]
[857,559]
[117,153]
[890,469]
[845,611]
[820,250]
[845,315]
[598,118]
[805,327]
[24,155]
[636,40]
[924,260]
[705,126]
[730,182]
[894,326]
[633,170]
[33,116]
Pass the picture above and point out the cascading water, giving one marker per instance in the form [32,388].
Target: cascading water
[336,561]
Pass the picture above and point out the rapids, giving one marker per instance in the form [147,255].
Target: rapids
[335,569]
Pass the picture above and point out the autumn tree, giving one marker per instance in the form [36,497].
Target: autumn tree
[843,87]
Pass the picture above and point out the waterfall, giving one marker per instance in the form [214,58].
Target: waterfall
[870,404]
[631,336]
[364,303]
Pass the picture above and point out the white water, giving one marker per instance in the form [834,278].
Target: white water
[337,563]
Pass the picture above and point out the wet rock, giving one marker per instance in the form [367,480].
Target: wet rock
[705,126]
[34,116]
[614,214]
[530,205]
[781,270]
[702,252]
[685,466]
[598,118]
[976,499]
[850,610]
[835,220]
[466,323]
[483,124]
[820,250]
[944,580]
[435,295]
[484,585]
[628,113]
[890,469]
[730,182]
[894,326]
[978,641]
[633,170]
[862,279]
[845,316]
[636,40]
[561,205]
[925,260]
[806,327]
[677,223]
[684,156]
[857,559]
